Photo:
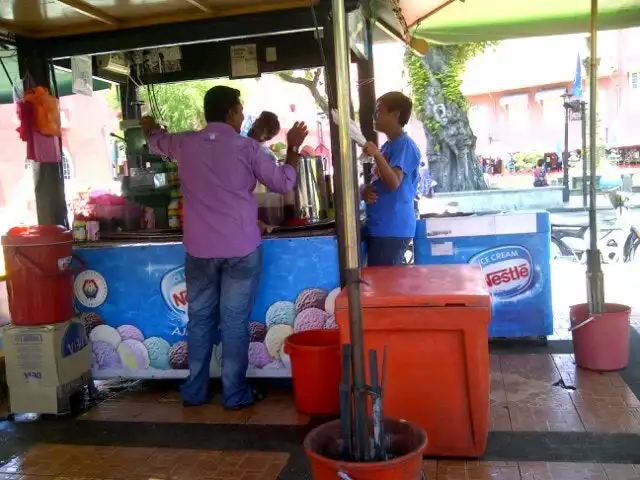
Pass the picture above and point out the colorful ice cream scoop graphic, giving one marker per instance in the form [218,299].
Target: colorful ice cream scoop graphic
[107,334]
[276,336]
[259,356]
[134,355]
[330,301]
[281,313]
[158,349]
[331,324]
[257,331]
[129,332]
[285,358]
[311,319]
[105,356]
[178,356]
[310,298]
[91,320]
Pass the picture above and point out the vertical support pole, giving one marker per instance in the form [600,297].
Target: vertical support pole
[583,116]
[349,232]
[595,278]
[565,154]
[330,81]
[48,178]
[367,94]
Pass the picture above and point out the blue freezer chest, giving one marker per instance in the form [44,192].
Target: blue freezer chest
[514,252]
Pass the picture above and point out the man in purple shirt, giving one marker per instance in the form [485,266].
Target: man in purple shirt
[218,172]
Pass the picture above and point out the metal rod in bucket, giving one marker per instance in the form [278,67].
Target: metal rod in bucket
[349,231]
[595,278]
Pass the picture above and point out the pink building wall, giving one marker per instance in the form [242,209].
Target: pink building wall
[514,92]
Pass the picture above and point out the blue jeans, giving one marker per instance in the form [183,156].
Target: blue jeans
[221,293]
[386,251]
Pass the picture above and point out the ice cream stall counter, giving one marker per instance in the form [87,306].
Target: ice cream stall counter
[132,298]
[514,252]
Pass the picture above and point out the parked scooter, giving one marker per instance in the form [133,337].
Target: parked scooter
[618,240]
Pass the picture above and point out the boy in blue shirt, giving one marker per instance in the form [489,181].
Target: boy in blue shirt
[391,218]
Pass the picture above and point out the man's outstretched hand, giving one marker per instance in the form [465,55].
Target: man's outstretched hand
[297,134]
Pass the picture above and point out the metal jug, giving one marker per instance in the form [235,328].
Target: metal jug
[311,200]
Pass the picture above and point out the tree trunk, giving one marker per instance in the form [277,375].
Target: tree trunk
[451,145]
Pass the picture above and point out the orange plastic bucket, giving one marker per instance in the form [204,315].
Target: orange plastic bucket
[407,443]
[601,342]
[316,370]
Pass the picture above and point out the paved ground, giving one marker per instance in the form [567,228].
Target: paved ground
[584,427]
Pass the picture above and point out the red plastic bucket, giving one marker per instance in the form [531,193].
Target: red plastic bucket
[407,442]
[40,274]
[601,342]
[316,370]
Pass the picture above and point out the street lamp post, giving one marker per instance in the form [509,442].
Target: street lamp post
[565,154]
[573,110]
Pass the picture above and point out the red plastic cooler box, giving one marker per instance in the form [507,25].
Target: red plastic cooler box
[39,274]
[434,321]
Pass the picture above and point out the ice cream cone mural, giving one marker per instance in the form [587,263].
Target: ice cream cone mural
[126,347]
[140,331]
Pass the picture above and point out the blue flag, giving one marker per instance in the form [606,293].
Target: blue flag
[577,81]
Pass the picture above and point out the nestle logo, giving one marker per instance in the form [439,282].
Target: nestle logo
[508,270]
[507,275]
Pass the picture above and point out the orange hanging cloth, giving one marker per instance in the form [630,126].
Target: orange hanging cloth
[46,110]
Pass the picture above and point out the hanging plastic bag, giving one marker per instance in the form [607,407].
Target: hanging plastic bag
[46,109]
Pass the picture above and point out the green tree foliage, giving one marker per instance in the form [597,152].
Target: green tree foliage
[178,105]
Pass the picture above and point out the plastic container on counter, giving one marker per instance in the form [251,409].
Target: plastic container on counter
[132,216]
[270,208]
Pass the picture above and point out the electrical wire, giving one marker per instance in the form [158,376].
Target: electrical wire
[6,72]
[56,93]
[323,57]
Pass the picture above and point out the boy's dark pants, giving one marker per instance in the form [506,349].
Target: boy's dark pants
[386,251]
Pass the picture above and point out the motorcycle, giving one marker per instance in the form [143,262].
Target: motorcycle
[616,242]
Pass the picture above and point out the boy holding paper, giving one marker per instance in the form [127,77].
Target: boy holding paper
[391,218]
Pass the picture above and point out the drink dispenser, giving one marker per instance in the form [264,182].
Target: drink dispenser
[311,201]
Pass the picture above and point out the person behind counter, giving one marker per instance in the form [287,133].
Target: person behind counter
[391,218]
[218,169]
[265,127]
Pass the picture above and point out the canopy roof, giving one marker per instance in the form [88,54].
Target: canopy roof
[63,78]
[56,18]
[461,21]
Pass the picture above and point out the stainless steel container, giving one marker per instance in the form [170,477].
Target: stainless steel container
[312,198]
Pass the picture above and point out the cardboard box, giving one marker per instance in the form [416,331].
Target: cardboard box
[46,365]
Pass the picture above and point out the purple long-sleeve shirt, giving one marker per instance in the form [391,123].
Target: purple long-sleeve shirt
[218,172]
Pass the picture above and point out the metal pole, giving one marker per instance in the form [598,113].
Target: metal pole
[565,154]
[349,231]
[583,117]
[595,278]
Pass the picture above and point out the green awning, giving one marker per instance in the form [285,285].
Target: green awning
[485,20]
[63,79]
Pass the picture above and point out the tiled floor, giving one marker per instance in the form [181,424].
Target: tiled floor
[136,406]
[66,462]
[548,393]
[459,470]
[528,393]
[84,462]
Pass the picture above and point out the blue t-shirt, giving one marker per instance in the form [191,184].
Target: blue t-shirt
[393,214]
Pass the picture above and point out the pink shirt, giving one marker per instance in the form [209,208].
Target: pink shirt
[218,172]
